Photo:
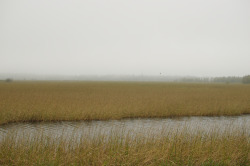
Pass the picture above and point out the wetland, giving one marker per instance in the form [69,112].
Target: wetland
[124,123]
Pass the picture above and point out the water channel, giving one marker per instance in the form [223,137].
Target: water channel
[143,127]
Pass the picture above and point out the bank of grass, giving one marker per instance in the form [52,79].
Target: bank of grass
[177,148]
[55,101]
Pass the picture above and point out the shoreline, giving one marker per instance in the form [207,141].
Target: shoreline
[125,118]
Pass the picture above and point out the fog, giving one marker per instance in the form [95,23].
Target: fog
[125,37]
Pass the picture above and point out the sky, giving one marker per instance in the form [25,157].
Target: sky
[125,37]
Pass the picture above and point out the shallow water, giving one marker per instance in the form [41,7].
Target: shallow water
[143,127]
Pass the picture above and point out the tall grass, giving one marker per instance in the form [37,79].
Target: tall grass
[53,101]
[175,148]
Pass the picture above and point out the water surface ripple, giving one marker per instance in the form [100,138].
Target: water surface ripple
[131,126]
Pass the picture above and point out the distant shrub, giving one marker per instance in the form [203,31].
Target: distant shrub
[227,80]
[8,80]
[246,79]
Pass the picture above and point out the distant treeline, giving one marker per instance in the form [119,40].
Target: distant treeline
[213,80]
[228,79]
[137,78]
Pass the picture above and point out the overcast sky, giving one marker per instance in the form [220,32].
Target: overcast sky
[125,37]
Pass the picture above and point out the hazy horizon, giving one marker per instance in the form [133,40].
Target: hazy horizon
[114,37]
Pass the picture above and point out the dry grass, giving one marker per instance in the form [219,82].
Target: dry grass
[229,148]
[54,101]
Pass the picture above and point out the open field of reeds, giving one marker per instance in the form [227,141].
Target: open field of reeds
[55,101]
[173,148]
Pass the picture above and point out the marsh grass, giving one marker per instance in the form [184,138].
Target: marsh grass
[56,101]
[173,148]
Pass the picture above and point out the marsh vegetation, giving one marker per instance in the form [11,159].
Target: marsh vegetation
[57,101]
[72,101]
[177,147]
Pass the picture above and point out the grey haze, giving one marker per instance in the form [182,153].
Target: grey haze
[125,37]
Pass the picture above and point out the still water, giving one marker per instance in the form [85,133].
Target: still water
[143,127]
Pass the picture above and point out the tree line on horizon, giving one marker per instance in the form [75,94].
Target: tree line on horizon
[227,80]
